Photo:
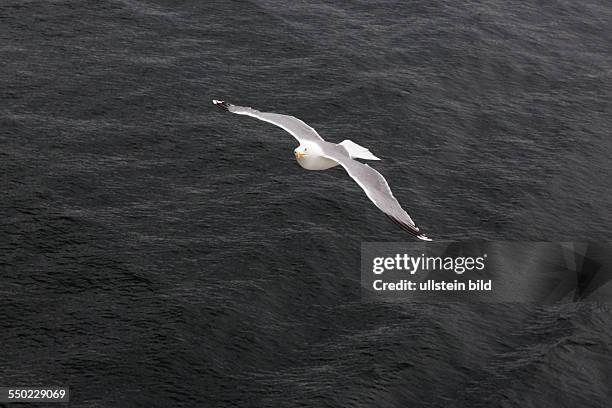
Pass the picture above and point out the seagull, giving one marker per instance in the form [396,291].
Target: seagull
[314,153]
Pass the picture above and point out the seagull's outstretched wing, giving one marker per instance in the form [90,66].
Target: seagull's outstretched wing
[297,128]
[377,189]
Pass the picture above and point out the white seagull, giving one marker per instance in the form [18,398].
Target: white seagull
[314,153]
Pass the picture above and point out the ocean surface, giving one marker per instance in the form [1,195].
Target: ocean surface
[158,252]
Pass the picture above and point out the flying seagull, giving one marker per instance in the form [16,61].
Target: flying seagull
[314,153]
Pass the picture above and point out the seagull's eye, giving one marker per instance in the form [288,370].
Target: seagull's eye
[305,149]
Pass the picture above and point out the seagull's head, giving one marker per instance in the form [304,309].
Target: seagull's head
[300,151]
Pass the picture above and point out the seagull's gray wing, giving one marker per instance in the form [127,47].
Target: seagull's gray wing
[377,189]
[297,128]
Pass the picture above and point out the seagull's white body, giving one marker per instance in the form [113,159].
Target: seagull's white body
[314,153]
[316,163]
[313,158]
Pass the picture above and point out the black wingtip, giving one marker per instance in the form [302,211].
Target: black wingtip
[409,229]
[222,104]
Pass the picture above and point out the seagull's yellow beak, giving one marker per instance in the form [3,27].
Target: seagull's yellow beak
[299,155]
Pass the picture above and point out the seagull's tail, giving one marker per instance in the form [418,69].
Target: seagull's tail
[356,151]
[222,104]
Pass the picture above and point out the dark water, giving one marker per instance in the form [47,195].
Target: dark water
[157,252]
